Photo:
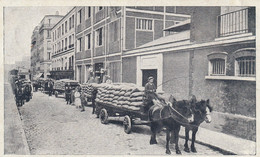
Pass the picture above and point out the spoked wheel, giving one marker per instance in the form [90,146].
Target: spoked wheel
[56,94]
[103,115]
[127,124]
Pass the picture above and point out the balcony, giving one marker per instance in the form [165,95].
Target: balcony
[237,22]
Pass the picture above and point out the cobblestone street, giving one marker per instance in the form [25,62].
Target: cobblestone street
[52,127]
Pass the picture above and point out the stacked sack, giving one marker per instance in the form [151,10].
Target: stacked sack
[124,95]
[88,88]
[60,85]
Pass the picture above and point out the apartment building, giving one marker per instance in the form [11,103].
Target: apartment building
[44,46]
[211,56]
[63,50]
[104,33]
[35,68]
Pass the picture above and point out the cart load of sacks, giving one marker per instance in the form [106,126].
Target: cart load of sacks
[59,85]
[88,88]
[123,95]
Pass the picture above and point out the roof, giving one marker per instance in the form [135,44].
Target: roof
[176,39]
[168,39]
[184,25]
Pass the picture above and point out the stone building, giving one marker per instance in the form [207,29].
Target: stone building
[104,33]
[63,50]
[43,57]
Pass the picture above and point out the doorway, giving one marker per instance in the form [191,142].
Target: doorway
[148,73]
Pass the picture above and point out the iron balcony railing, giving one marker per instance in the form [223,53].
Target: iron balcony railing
[237,22]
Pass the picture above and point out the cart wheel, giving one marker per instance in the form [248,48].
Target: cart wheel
[56,94]
[127,125]
[103,116]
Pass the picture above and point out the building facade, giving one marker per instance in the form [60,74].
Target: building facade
[34,52]
[211,56]
[104,33]
[63,49]
[44,46]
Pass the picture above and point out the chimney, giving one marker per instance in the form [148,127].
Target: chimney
[57,13]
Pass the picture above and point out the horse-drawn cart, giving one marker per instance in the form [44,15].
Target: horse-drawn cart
[59,86]
[129,117]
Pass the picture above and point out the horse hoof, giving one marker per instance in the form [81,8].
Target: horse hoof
[178,152]
[186,149]
[194,150]
[168,152]
[153,142]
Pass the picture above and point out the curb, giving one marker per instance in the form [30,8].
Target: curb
[223,151]
[27,149]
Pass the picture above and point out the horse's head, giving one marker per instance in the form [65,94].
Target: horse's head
[184,110]
[202,111]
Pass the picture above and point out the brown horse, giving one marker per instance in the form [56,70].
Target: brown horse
[171,117]
[201,112]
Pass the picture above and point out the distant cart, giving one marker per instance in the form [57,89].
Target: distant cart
[129,117]
[59,86]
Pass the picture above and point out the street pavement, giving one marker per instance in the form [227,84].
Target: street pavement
[54,128]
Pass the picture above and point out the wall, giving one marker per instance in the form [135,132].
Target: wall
[176,74]
[233,102]
[226,96]
[129,70]
[204,23]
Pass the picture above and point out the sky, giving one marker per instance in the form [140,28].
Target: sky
[19,23]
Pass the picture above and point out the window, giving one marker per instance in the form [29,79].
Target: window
[218,66]
[69,41]
[49,21]
[88,12]
[66,42]
[246,66]
[217,63]
[62,45]
[72,21]
[233,22]
[49,55]
[79,45]
[87,42]
[72,40]
[99,37]
[79,17]
[53,36]
[66,25]
[69,23]
[48,34]
[144,24]
[245,62]
[62,29]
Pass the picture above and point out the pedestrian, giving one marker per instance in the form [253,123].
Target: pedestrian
[83,101]
[72,97]
[67,94]
[77,101]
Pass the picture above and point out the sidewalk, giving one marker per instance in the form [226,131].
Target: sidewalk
[14,136]
[226,143]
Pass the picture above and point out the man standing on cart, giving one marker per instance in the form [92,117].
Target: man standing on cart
[150,94]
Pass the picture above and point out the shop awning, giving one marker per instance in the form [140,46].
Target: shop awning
[39,75]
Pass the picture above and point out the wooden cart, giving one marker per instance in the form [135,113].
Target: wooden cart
[130,117]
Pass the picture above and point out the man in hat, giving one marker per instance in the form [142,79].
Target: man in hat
[150,94]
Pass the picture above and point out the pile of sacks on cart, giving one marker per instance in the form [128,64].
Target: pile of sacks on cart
[125,95]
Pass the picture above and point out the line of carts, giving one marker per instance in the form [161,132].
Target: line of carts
[118,102]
